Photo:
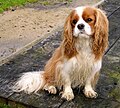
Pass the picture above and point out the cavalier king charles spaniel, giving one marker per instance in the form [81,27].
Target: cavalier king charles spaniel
[78,59]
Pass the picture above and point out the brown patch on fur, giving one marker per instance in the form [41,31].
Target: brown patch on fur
[100,37]
[50,68]
[69,39]
[89,13]
[99,25]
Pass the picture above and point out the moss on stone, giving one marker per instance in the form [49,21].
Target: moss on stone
[115,75]
[115,93]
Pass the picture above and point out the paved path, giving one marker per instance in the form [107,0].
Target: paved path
[34,59]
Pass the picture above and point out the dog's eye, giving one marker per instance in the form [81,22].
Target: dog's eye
[74,22]
[88,20]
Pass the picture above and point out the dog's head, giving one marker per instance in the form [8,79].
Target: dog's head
[87,22]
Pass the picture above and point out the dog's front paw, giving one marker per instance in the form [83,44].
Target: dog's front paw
[90,93]
[68,96]
[51,89]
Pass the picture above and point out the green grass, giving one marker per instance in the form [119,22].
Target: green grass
[7,4]
[4,106]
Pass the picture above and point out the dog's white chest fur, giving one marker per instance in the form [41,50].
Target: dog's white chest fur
[80,67]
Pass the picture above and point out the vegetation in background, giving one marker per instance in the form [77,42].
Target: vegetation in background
[7,4]
[4,106]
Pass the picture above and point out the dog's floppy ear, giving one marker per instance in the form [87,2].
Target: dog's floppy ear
[100,37]
[69,41]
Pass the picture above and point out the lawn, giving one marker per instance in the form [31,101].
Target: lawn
[7,4]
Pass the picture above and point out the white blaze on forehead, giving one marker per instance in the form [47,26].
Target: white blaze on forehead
[87,28]
[79,11]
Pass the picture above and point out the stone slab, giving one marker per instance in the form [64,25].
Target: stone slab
[32,60]
[35,59]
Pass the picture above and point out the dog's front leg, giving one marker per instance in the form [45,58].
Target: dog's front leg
[92,81]
[67,90]
[88,90]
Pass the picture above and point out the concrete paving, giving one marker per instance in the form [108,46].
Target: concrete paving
[35,58]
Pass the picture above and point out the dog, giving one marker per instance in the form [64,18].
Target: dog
[78,59]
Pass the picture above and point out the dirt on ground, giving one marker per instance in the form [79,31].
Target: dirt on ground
[19,27]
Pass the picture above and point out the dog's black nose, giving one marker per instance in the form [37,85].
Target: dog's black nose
[80,26]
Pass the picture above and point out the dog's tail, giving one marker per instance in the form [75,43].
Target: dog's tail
[30,82]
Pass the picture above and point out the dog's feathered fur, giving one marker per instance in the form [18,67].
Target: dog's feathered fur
[76,62]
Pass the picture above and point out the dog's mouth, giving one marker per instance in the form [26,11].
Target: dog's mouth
[83,34]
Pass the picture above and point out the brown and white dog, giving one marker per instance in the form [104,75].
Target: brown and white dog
[78,59]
